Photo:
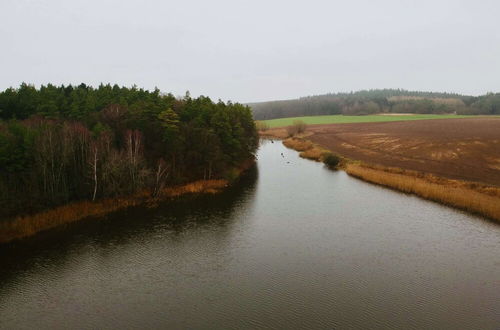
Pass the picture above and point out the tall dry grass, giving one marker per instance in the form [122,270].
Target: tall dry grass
[274,133]
[306,148]
[298,144]
[315,153]
[471,197]
[24,226]
[261,125]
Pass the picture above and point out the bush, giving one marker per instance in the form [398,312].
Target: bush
[331,160]
[261,125]
[297,127]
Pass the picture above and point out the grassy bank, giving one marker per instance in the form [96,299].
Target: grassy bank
[469,196]
[341,119]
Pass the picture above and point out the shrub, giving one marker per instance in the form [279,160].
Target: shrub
[331,160]
[261,125]
[297,127]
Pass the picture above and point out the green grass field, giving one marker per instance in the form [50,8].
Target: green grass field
[340,119]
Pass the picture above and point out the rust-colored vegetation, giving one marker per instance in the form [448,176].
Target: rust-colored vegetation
[306,149]
[298,144]
[25,226]
[475,198]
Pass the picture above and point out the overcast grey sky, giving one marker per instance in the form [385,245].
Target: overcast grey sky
[253,50]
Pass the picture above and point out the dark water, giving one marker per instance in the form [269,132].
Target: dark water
[293,246]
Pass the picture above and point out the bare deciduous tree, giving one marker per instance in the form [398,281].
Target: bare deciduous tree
[297,127]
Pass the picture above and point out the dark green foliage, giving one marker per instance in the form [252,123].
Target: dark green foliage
[378,101]
[331,160]
[59,144]
[488,104]
[16,144]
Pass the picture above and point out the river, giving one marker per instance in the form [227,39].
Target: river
[293,245]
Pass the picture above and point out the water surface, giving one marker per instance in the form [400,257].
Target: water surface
[294,245]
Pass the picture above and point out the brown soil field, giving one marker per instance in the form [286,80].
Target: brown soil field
[465,149]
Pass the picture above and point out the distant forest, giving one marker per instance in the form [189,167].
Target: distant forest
[65,143]
[379,101]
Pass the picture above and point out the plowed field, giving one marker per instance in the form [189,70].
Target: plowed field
[466,149]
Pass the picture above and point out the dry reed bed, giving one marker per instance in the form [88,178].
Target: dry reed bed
[475,198]
[306,148]
[24,226]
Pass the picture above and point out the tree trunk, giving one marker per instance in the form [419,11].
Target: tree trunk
[94,165]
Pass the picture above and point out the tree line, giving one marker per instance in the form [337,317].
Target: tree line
[379,101]
[65,143]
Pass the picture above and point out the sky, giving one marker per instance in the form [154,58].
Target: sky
[258,50]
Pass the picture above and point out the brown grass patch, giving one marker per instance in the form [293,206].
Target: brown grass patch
[314,153]
[306,148]
[278,133]
[475,198]
[298,144]
[24,226]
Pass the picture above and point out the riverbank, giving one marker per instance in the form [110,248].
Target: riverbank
[292,243]
[469,196]
[29,225]
[473,197]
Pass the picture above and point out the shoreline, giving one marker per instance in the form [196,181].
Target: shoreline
[28,225]
[473,197]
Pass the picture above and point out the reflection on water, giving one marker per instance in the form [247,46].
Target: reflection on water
[293,245]
[135,224]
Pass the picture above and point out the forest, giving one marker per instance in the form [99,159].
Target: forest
[68,143]
[379,101]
